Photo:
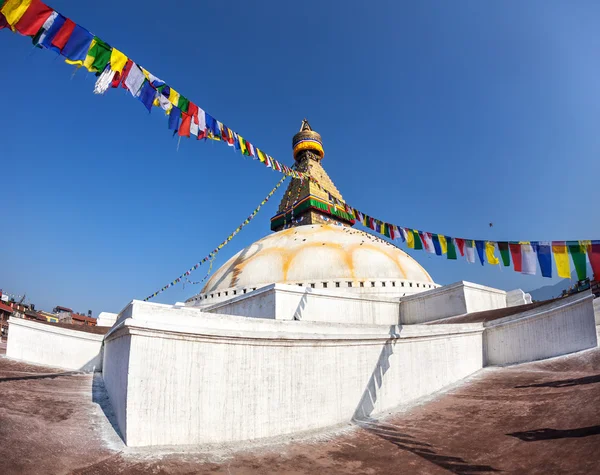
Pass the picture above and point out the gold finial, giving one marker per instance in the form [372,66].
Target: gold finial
[305,125]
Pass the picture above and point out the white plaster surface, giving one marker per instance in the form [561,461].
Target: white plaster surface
[106,319]
[316,254]
[597,310]
[287,302]
[448,301]
[565,326]
[517,297]
[190,377]
[39,343]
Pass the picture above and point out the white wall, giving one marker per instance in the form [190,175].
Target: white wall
[44,344]
[197,378]
[597,310]
[565,326]
[448,301]
[286,302]
[106,319]
[115,372]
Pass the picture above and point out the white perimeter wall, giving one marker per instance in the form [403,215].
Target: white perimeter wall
[44,344]
[195,378]
[559,328]
[449,301]
[288,302]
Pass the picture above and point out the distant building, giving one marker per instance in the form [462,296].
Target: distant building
[5,312]
[50,317]
[78,319]
[59,309]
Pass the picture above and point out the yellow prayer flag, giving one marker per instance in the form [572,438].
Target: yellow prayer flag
[410,239]
[118,61]
[489,251]
[242,143]
[561,258]
[261,155]
[443,243]
[174,97]
[13,10]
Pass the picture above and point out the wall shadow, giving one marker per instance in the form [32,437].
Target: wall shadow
[100,397]
[564,383]
[42,376]
[409,443]
[367,402]
[550,434]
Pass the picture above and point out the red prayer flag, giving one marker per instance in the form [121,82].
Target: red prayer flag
[63,35]
[186,122]
[460,243]
[193,111]
[594,257]
[33,19]
[515,253]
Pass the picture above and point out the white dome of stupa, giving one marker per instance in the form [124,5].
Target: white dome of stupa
[314,255]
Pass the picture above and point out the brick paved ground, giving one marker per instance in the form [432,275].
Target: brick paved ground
[533,418]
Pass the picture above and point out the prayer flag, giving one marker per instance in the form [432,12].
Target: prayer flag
[443,243]
[78,45]
[515,252]
[261,155]
[117,60]
[479,246]
[186,123]
[578,257]
[504,253]
[174,118]
[528,259]
[174,97]
[417,238]
[147,94]
[242,144]
[14,10]
[451,248]
[561,259]
[490,249]
[125,73]
[135,80]
[201,124]
[98,57]
[436,244]
[33,19]
[183,104]
[427,242]
[460,243]
[593,251]
[544,254]
[63,35]
[470,251]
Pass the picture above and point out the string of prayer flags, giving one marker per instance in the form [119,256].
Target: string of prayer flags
[51,30]
[212,254]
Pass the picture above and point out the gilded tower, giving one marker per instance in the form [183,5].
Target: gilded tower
[304,201]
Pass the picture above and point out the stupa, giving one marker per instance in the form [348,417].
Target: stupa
[315,245]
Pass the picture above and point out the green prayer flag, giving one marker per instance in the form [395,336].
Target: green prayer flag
[504,253]
[451,248]
[183,103]
[101,52]
[386,230]
[418,243]
[578,256]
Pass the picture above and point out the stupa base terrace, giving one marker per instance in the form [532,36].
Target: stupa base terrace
[283,359]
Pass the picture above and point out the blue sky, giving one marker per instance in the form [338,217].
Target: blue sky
[441,116]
